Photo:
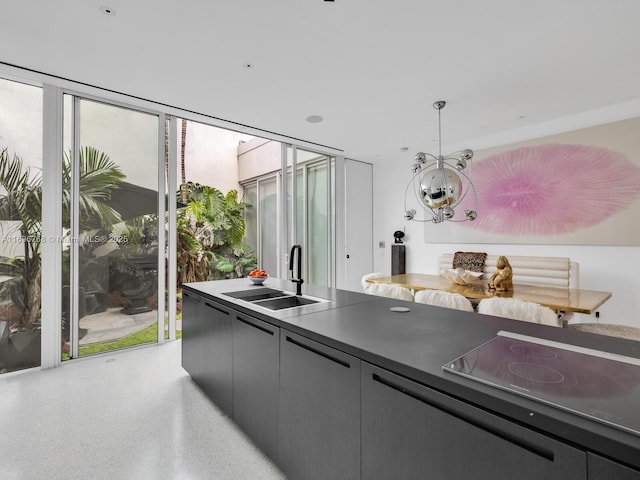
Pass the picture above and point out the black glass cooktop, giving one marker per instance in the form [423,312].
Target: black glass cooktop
[599,385]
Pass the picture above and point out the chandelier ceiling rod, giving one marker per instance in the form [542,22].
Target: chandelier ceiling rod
[439,106]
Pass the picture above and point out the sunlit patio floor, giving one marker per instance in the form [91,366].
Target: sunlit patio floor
[112,325]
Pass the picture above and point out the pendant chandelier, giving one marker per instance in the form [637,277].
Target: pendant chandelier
[437,184]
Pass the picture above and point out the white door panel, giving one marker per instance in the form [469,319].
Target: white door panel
[358,223]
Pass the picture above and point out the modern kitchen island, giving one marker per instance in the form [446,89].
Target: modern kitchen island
[346,389]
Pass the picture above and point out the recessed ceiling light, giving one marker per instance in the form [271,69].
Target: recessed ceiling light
[248,65]
[314,119]
[108,11]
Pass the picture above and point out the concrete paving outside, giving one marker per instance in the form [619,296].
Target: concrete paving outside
[112,325]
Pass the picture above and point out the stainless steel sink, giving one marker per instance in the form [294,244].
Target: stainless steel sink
[272,298]
[257,294]
[285,302]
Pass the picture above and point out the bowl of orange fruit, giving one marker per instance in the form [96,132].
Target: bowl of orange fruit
[258,276]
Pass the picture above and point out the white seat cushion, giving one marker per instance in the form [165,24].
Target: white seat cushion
[363,281]
[518,310]
[390,291]
[444,299]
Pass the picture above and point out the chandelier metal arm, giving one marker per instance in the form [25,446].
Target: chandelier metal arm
[421,158]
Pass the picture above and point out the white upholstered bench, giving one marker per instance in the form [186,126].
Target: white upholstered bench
[547,271]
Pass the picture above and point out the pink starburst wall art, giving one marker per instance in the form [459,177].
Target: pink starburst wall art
[554,191]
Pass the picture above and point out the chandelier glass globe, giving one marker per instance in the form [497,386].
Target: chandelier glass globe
[440,187]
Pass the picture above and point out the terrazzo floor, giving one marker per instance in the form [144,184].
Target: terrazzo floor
[132,414]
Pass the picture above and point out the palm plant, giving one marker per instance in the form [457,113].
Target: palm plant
[21,201]
[98,177]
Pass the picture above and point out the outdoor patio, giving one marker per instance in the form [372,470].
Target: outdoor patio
[112,325]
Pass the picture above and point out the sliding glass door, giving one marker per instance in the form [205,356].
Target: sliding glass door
[111,224]
[297,211]
[318,205]
[311,219]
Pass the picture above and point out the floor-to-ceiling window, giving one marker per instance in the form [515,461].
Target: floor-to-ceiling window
[20,224]
[318,225]
[210,214]
[104,157]
[312,224]
[111,226]
[310,220]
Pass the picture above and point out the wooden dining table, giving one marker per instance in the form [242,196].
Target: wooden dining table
[557,298]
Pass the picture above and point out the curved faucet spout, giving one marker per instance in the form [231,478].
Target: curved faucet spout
[298,279]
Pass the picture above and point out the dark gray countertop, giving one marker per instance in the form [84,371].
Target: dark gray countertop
[416,344]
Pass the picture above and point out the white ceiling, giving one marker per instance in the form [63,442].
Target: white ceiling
[372,69]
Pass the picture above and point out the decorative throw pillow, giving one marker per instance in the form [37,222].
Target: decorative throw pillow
[473,261]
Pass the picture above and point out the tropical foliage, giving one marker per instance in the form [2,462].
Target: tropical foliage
[98,177]
[21,205]
[210,228]
[210,231]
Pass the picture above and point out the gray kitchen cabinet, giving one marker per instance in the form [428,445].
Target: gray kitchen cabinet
[256,356]
[207,348]
[194,346]
[319,410]
[601,468]
[218,364]
[411,431]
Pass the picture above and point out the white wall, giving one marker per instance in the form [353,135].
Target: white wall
[605,268]
[211,155]
[21,129]
[258,156]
